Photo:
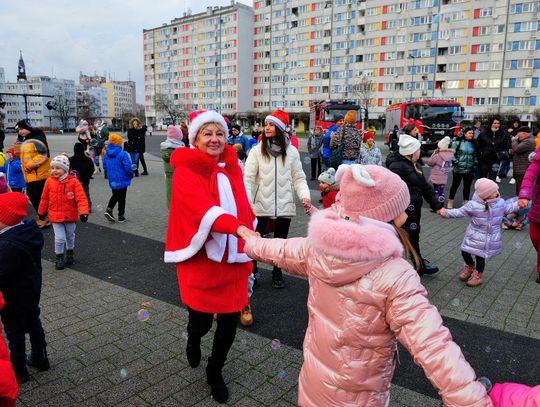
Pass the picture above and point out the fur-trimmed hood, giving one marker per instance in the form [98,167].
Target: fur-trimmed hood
[201,163]
[352,249]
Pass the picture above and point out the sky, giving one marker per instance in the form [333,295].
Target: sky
[61,38]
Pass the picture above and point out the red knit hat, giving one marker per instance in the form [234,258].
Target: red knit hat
[367,135]
[280,118]
[14,208]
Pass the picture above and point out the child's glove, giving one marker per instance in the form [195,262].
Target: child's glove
[83,218]
[42,217]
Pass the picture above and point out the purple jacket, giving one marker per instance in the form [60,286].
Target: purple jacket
[441,164]
[483,235]
[530,188]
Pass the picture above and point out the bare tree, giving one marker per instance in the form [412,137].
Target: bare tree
[65,110]
[165,104]
[363,90]
[87,106]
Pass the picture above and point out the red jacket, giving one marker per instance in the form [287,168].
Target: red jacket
[328,195]
[63,200]
[8,383]
[211,265]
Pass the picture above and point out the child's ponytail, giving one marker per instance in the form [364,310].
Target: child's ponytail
[409,249]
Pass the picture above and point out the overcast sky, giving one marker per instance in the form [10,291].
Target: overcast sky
[63,37]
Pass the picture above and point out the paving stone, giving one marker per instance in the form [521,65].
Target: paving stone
[90,389]
[161,390]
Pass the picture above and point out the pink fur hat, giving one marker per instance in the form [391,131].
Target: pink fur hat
[174,133]
[370,191]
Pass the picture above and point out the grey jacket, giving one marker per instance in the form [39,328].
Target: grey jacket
[522,149]
[314,144]
[483,235]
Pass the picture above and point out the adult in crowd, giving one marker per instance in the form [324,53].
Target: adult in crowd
[404,164]
[328,136]
[209,216]
[173,141]
[273,170]
[349,137]
[493,147]
[35,161]
[185,133]
[314,145]
[410,129]
[523,144]
[477,128]
[137,145]
[102,135]
[464,165]
[393,139]
[238,137]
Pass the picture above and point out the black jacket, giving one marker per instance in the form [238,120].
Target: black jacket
[20,270]
[419,188]
[488,144]
[81,163]
[136,140]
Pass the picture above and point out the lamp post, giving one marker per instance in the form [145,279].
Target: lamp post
[413,68]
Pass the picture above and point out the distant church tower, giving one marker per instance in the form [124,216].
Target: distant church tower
[21,76]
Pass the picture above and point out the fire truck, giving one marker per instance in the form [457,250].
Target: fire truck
[434,119]
[323,113]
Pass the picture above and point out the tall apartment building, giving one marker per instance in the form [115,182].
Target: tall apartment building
[120,98]
[200,61]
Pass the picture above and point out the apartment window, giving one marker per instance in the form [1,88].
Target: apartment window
[493,101]
[483,48]
[453,68]
[486,12]
[479,101]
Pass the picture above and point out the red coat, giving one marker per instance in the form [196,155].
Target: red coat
[8,382]
[211,265]
[328,195]
[63,200]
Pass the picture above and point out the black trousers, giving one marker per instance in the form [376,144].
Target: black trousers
[315,167]
[34,190]
[281,230]
[142,161]
[16,330]
[199,323]
[456,181]
[480,261]
[486,170]
[118,195]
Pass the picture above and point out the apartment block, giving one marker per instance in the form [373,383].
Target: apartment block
[121,98]
[200,61]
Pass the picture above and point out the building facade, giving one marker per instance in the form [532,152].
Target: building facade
[200,61]
[121,98]
[92,102]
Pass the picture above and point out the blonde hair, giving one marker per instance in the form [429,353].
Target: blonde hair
[205,125]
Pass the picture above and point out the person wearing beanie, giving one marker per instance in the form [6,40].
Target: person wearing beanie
[441,164]
[82,167]
[369,152]
[328,187]
[273,172]
[483,236]
[36,163]
[209,217]
[405,165]
[21,242]
[83,135]
[119,169]
[237,137]
[173,141]
[522,144]
[64,202]
[354,255]
[345,142]
[328,137]
[15,176]
[137,145]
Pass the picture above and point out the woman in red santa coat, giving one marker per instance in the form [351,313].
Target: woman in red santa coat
[208,219]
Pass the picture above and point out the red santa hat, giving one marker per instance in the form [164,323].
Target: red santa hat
[199,118]
[280,118]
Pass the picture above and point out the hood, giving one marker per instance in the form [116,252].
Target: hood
[132,123]
[446,155]
[202,163]
[352,249]
[171,144]
[26,234]
[395,157]
[113,150]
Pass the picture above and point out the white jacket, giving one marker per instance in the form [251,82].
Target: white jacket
[269,182]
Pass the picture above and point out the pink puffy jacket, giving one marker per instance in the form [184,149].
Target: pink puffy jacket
[362,297]
[515,395]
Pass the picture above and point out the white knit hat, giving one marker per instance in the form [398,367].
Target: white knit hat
[200,118]
[328,176]
[444,143]
[408,145]
[61,161]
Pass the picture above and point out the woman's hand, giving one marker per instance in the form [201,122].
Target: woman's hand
[245,233]
[523,202]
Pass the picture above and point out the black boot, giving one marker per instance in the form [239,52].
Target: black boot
[60,263]
[277,279]
[39,360]
[21,373]
[69,257]
[428,268]
[193,352]
[220,393]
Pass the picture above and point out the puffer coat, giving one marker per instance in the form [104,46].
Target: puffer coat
[483,235]
[521,150]
[270,182]
[439,166]
[530,188]
[63,200]
[362,298]
[351,138]
[117,164]
[465,156]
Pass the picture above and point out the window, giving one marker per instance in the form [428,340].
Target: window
[486,12]
[479,101]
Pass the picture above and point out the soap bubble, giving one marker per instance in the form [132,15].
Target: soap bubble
[307,160]
[456,302]
[185,335]
[413,226]
[486,382]
[281,374]
[123,373]
[518,245]
[488,349]
[143,315]
[33,152]
[123,242]
[275,343]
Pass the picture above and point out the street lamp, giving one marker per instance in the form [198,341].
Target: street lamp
[413,68]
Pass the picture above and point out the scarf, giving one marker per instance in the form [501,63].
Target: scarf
[275,150]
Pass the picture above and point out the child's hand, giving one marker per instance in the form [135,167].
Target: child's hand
[83,218]
[441,212]
[523,202]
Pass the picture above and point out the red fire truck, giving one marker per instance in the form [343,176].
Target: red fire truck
[323,113]
[434,119]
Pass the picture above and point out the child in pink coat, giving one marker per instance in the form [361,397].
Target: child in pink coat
[364,297]
[441,164]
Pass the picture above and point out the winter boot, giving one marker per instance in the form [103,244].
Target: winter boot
[450,204]
[277,279]
[220,393]
[59,263]
[246,317]
[69,257]
[21,373]
[109,216]
[39,360]
[193,352]
[428,268]
[466,273]
[475,280]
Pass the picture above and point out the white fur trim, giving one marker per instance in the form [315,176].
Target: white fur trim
[209,116]
[361,175]
[275,120]
[198,240]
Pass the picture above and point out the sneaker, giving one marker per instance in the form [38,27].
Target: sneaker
[497,179]
[512,181]
[246,317]
[109,216]
[121,219]
[475,280]
[278,283]
[466,273]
